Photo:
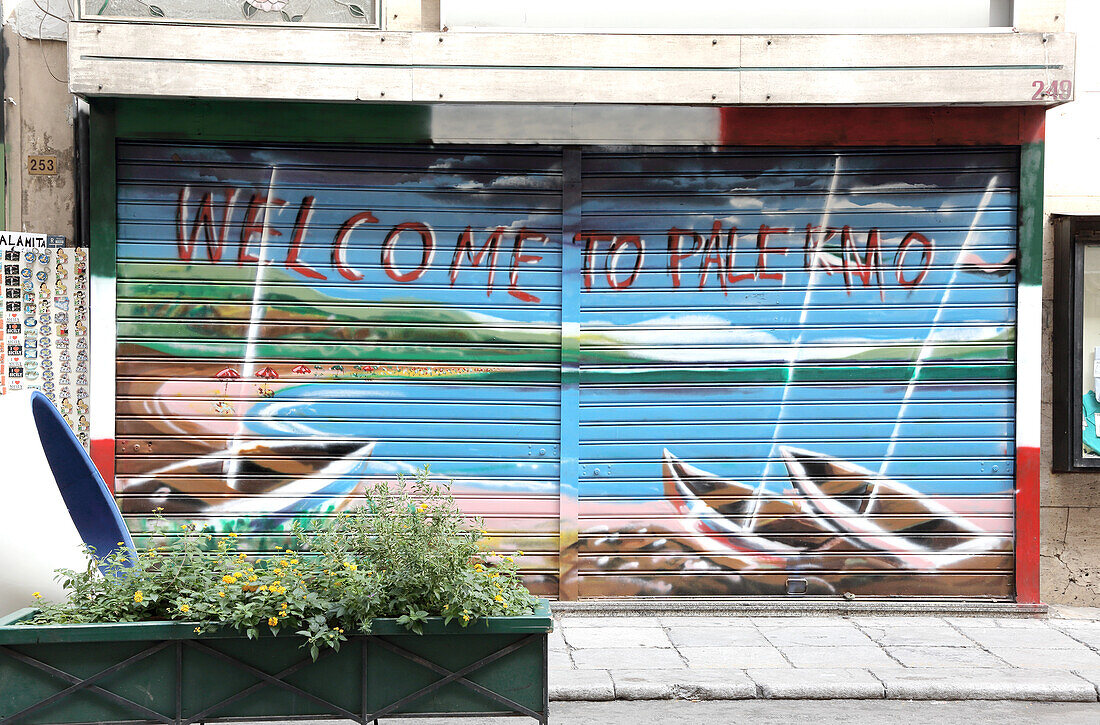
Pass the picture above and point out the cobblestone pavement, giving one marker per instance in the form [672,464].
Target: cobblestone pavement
[1056,658]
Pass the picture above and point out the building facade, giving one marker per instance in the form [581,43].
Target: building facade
[723,310]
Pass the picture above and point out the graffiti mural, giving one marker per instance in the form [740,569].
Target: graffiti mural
[794,368]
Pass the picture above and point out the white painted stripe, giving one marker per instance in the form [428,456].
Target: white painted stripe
[101,363]
[568,124]
[1029,339]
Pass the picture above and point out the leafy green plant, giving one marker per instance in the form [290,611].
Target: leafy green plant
[407,553]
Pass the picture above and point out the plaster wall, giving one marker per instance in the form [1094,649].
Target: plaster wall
[38,120]
[1070,508]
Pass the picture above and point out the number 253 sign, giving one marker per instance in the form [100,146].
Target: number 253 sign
[42,165]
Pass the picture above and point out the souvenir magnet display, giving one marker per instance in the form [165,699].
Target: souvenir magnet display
[45,313]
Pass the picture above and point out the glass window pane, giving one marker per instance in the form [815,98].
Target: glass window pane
[1090,345]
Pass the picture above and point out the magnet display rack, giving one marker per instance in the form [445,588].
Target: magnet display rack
[45,296]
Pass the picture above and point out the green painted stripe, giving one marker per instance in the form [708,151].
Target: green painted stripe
[1031,213]
[260,121]
[849,374]
[102,192]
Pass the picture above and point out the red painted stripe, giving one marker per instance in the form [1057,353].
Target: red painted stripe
[868,126]
[1027,525]
[103,456]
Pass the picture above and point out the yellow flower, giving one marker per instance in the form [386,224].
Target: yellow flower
[198,631]
[351,566]
[233,535]
[138,596]
[38,595]
[505,605]
[185,608]
[241,556]
[221,594]
[262,588]
[293,561]
[120,544]
[499,598]
[272,621]
[228,579]
[252,578]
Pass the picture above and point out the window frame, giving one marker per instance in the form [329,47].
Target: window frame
[1072,234]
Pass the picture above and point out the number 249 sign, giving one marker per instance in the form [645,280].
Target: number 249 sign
[1056,90]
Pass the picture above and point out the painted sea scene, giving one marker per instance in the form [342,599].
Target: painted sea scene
[697,372]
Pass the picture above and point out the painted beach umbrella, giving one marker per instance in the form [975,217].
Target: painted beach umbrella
[301,370]
[267,372]
[227,374]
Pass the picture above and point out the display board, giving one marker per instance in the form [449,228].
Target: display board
[45,294]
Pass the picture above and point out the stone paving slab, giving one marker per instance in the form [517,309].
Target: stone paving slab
[1032,658]
[735,636]
[583,685]
[627,658]
[945,683]
[838,657]
[990,637]
[849,657]
[816,637]
[733,657]
[824,684]
[998,622]
[910,656]
[641,636]
[1092,675]
[683,684]
[570,622]
[903,634]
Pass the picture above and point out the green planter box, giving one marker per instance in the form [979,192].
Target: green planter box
[162,672]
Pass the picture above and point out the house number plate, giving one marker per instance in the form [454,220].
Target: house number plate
[42,165]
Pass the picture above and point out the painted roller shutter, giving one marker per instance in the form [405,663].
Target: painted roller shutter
[250,394]
[766,411]
[782,369]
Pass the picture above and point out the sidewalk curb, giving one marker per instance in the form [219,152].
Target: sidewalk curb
[784,684]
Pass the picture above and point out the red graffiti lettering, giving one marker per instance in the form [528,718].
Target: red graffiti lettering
[427,251]
[712,254]
[339,245]
[814,256]
[466,245]
[675,256]
[250,227]
[301,224]
[611,262]
[868,267]
[731,259]
[763,251]
[519,258]
[928,252]
[204,220]
[591,248]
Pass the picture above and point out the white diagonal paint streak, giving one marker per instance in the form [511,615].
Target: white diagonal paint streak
[794,350]
[255,319]
[930,341]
